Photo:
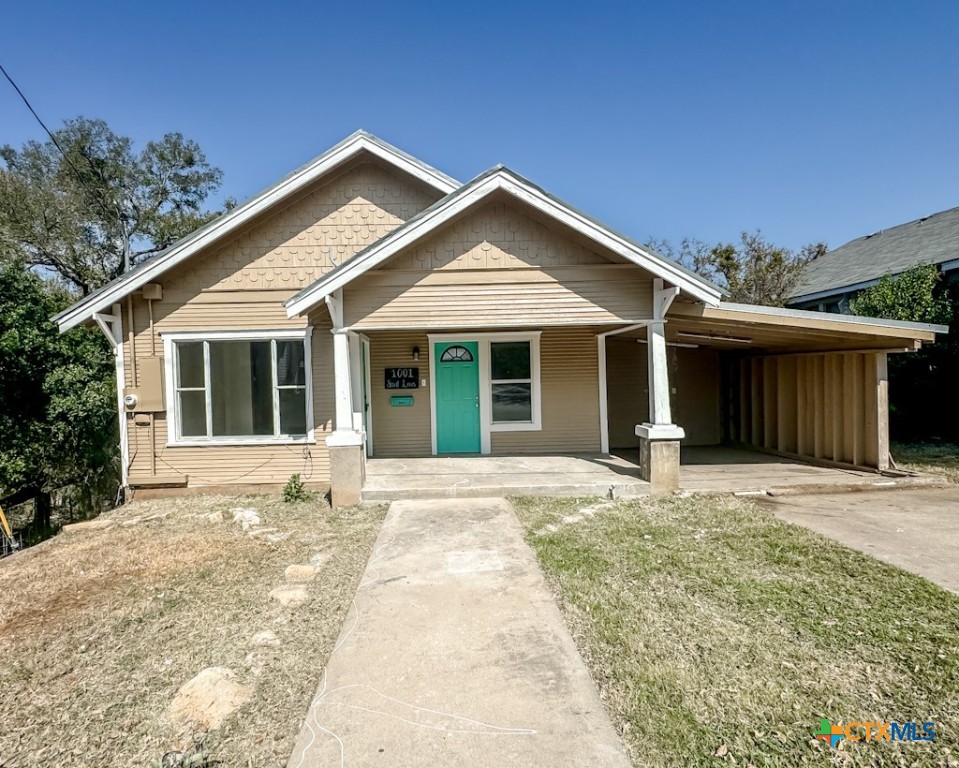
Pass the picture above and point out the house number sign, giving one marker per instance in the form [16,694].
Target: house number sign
[402,378]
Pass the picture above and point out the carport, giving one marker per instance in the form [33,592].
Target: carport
[800,385]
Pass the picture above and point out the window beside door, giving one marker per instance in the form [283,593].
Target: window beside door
[511,382]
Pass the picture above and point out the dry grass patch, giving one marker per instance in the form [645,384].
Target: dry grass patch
[720,636]
[929,458]
[99,629]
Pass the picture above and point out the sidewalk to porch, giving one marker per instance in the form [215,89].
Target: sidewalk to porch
[711,469]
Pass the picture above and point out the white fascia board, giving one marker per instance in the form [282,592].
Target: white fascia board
[376,255]
[830,317]
[657,266]
[228,222]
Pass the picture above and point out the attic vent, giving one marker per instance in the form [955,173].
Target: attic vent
[924,218]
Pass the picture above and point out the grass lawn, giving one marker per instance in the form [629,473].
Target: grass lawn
[99,629]
[932,458]
[721,636]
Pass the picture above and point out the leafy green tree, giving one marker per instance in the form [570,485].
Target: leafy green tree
[97,209]
[913,295]
[752,271]
[58,418]
[922,384]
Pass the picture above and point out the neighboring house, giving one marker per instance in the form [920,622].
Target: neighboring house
[369,305]
[830,282]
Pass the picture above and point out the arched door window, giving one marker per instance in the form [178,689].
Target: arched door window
[456,354]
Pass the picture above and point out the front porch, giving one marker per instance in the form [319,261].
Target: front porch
[710,469]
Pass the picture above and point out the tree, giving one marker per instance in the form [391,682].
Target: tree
[912,295]
[754,271]
[921,384]
[97,209]
[58,417]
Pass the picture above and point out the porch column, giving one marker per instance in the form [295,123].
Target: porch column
[659,437]
[347,464]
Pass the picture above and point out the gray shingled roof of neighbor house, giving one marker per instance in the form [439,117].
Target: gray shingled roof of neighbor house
[931,240]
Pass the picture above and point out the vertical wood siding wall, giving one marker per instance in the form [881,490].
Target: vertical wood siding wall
[825,406]
[242,285]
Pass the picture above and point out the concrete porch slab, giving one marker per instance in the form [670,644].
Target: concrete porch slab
[716,469]
[486,476]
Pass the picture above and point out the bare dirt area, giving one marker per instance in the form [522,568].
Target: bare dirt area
[101,626]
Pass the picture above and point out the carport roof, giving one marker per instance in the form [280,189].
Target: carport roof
[773,329]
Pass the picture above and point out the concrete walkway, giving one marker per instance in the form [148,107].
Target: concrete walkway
[917,530]
[456,655]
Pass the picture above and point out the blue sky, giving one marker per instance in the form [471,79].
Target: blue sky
[807,120]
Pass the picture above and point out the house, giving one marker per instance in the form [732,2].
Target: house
[368,305]
[831,281]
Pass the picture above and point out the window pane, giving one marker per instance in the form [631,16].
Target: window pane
[293,411]
[290,366]
[191,363]
[512,402]
[193,414]
[509,360]
[241,379]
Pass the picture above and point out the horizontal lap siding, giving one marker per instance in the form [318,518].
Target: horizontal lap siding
[242,285]
[570,393]
[588,295]
[399,431]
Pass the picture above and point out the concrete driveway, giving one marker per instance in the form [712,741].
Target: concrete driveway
[455,654]
[916,529]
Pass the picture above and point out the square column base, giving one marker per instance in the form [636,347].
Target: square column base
[659,456]
[347,472]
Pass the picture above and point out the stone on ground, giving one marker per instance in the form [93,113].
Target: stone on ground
[266,637]
[209,698]
[290,595]
[300,573]
[246,517]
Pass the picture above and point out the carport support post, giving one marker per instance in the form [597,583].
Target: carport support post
[347,459]
[659,437]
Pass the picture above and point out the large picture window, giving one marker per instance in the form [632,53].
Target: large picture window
[240,388]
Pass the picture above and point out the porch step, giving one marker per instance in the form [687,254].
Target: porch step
[409,488]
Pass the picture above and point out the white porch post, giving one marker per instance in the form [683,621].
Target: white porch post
[356,382]
[112,327]
[659,437]
[347,465]
[342,386]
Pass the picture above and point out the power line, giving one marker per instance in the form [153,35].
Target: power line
[43,125]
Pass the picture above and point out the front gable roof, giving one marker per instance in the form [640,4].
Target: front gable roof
[500,179]
[229,223]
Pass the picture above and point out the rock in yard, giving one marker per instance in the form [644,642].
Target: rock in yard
[209,698]
[266,637]
[290,595]
[214,517]
[245,517]
[300,574]
[319,559]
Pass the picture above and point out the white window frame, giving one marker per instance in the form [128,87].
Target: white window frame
[487,426]
[170,339]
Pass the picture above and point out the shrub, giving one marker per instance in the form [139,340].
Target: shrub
[295,491]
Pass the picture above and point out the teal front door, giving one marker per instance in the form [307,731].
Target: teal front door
[457,397]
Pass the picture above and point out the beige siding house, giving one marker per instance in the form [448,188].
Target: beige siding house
[368,305]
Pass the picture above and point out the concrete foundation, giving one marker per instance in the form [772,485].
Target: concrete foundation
[347,475]
[659,464]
